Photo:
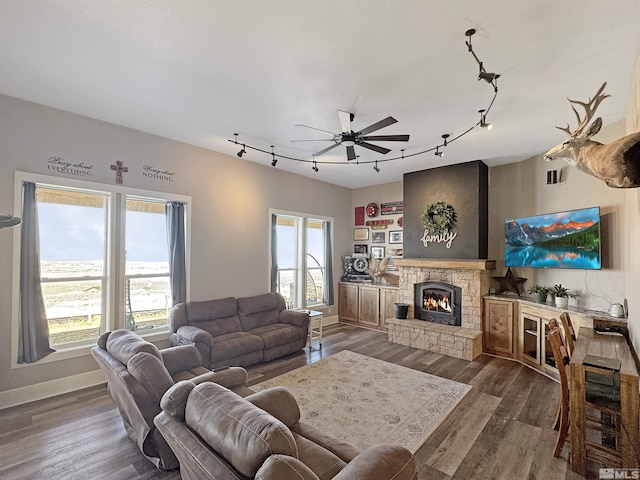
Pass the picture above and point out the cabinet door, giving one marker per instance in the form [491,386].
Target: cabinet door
[348,302]
[369,306]
[498,327]
[530,339]
[388,296]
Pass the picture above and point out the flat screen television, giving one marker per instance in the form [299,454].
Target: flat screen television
[556,240]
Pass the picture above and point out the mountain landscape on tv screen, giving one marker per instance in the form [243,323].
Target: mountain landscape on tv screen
[559,240]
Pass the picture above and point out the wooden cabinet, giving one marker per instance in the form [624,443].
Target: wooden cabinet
[388,296]
[366,305]
[498,328]
[348,302]
[369,306]
[534,347]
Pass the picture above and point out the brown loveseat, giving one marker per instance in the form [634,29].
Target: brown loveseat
[217,434]
[239,332]
[138,374]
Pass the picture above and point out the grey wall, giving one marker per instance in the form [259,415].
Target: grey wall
[229,219]
[464,186]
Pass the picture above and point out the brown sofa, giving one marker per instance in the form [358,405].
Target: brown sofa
[217,434]
[138,374]
[239,332]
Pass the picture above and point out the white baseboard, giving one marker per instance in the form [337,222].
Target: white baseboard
[51,388]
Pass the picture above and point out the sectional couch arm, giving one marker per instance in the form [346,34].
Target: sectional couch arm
[201,339]
[293,317]
[231,377]
[381,462]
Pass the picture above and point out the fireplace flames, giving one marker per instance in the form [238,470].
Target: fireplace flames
[438,304]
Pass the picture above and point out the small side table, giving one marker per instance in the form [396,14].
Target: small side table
[315,326]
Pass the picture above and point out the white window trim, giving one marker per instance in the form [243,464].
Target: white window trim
[112,269]
[274,211]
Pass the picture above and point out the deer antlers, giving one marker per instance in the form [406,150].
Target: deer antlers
[590,108]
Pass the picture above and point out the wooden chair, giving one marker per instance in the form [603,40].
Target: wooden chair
[569,332]
[561,356]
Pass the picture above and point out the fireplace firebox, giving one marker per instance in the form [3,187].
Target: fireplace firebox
[438,302]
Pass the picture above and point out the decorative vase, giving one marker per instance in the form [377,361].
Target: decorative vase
[562,302]
[540,297]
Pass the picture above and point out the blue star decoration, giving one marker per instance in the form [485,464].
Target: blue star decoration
[510,283]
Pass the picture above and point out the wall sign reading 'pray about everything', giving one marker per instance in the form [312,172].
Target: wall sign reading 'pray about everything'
[438,220]
[60,165]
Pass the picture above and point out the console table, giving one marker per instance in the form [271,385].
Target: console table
[611,346]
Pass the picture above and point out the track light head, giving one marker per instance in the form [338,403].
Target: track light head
[274,162]
[487,77]
[315,167]
[242,152]
[376,168]
[438,153]
[483,120]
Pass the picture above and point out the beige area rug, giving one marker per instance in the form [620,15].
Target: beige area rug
[364,401]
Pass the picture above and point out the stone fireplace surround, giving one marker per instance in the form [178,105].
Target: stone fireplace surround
[473,276]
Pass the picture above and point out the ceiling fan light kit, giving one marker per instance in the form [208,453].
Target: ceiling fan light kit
[351,139]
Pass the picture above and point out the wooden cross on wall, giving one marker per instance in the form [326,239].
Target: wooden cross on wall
[120,169]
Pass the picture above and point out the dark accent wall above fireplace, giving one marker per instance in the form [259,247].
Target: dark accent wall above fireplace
[465,186]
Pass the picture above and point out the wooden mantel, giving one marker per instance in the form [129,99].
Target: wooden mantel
[450,263]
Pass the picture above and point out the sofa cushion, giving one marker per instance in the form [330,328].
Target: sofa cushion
[124,344]
[322,462]
[278,334]
[218,317]
[234,345]
[258,311]
[242,433]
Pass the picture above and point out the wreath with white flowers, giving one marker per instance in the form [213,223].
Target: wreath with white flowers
[438,218]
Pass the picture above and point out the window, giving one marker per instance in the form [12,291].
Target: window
[299,258]
[104,258]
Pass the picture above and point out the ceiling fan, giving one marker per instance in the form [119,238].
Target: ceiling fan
[350,139]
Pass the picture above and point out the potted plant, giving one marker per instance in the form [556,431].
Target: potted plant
[562,295]
[539,293]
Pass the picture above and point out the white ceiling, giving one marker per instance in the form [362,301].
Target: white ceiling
[199,70]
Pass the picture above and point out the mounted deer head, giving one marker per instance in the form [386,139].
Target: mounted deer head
[617,164]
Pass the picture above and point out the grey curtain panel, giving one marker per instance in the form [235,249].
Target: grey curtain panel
[327,291]
[274,254]
[177,257]
[33,336]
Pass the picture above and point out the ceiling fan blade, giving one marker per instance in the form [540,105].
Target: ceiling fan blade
[351,153]
[345,121]
[326,149]
[314,140]
[314,128]
[387,138]
[377,126]
[375,148]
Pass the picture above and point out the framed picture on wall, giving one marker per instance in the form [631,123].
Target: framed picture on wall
[395,236]
[377,237]
[360,248]
[377,252]
[360,234]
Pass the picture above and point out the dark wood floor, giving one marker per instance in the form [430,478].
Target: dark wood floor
[501,430]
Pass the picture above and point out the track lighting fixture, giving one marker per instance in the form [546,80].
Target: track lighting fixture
[483,120]
[489,77]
